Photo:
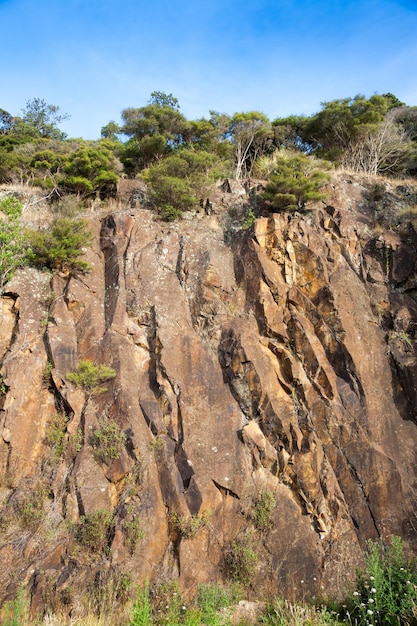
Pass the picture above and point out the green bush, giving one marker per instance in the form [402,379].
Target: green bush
[295,181]
[89,377]
[55,435]
[188,527]
[13,243]
[179,181]
[61,247]
[263,509]
[241,560]
[386,592]
[108,442]
[132,530]
[141,612]
[95,529]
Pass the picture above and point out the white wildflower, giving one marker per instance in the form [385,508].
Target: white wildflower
[370,612]
[356,593]
[373,590]
[371,600]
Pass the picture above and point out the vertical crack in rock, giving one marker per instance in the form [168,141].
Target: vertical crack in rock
[111,268]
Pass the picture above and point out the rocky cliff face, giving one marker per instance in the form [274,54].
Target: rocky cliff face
[277,359]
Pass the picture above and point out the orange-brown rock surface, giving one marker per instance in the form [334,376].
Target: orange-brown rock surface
[278,358]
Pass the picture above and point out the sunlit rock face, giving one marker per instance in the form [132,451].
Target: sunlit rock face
[276,359]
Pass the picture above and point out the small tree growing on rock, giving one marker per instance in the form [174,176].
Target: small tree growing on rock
[89,377]
[295,181]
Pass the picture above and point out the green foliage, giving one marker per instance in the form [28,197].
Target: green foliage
[11,207]
[189,526]
[141,612]
[251,136]
[16,612]
[211,599]
[29,508]
[386,591]
[132,530]
[55,436]
[161,99]
[95,529]
[41,119]
[61,247]
[3,387]
[13,244]
[250,219]
[282,612]
[90,168]
[179,181]
[241,560]
[263,509]
[295,181]
[89,377]
[108,440]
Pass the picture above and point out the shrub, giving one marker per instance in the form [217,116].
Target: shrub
[386,587]
[241,560]
[89,377]
[13,244]
[61,247]
[95,529]
[16,612]
[132,531]
[56,433]
[141,612]
[188,527]
[29,507]
[295,181]
[108,442]
[263,508]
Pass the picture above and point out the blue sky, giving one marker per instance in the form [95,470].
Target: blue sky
[94,58]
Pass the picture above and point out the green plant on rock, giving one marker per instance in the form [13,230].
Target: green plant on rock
[241,560]
[55,435]
[29,508]
[62,246]
[132,530]
[263,509]
[295,181]
[13,242]
[3,387]
[89,377]
[95,530]
[386,592]
[16,612]
[108,441]
[189,526]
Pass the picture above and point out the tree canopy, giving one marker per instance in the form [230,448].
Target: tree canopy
[180,158]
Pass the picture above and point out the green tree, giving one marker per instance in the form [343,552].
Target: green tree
[251,136]
[161,99]
[153,130]
[296,180]
[40,119]
[110,131]
[5,122]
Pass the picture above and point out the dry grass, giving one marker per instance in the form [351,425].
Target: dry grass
[340,173]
